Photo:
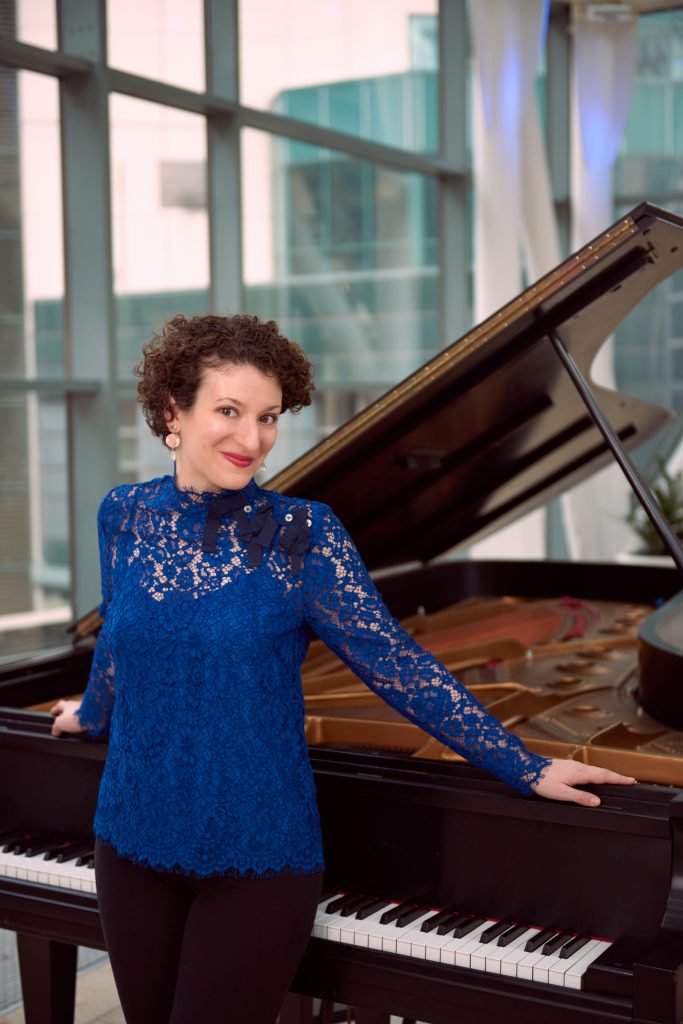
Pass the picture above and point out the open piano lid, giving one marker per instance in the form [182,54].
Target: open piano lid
[492,426]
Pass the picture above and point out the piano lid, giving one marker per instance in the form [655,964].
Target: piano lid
[492,426]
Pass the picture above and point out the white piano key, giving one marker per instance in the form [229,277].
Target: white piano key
[504,954]
[467,943]
[385,936]
[356,932]
[525,967]
[463,955]
[556,972]
[510,964]
[573,978]
[407,943]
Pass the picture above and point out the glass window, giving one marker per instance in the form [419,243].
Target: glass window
[34,550]
[162,39]
[651,161]
[35,22]
[343,254]
[34,562]
[160,242]
[370,70]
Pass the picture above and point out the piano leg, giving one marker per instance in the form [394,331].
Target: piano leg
[48,979]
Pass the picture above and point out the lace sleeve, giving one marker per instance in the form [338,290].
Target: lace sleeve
[345,609]
[98,700]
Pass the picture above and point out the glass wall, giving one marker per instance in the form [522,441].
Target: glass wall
[34,550]
[649,344]
[324,63]
[162,39]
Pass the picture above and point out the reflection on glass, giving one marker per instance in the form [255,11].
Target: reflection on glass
[160,236]
[369,70]
[34,567]
[343,254]
[162,39]
[35,22]
[647,350]
[651,159]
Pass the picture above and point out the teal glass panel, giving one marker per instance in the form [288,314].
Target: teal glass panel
[369,71]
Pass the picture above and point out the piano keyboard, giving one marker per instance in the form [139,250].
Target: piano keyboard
[550,956]
[63,863]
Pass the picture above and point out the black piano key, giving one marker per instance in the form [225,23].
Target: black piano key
[512,934]
[360,901]
[468,926]
[491,933]
[54,852]
[83,860]
[401,908]
[20,847]
[410,916]
[35,847]
[341,901]
[11,841]
[440,918]
[71,853]
[537,940]
[91,863]
[447,926]
[572,947]
[555,944]
[371,909]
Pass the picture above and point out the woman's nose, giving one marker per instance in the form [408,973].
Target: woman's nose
[247,433]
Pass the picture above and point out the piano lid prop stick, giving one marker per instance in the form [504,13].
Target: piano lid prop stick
[642,491]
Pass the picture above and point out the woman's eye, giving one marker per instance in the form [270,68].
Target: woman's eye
[269,418]
[228,410]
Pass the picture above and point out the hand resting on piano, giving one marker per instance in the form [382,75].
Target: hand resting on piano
[66,719]
[557,782]
[560,778]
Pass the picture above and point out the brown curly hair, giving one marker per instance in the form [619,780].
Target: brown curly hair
[175,359]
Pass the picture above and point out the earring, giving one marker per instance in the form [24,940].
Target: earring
[262,468]
[172,441]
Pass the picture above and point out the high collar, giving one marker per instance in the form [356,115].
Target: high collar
[188,498]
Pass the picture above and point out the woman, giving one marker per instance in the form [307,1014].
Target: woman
[208,857]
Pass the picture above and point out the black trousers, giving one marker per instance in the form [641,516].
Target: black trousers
[213,950]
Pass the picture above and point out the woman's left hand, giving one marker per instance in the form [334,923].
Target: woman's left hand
[560,778]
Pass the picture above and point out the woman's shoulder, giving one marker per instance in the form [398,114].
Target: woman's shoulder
[120,501]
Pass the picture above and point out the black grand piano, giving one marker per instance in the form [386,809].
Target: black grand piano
[493,426]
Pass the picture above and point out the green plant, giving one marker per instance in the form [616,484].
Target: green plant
[668,490]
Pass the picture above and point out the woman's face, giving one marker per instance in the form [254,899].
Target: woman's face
[229,430]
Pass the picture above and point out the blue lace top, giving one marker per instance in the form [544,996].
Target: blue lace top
[209,604]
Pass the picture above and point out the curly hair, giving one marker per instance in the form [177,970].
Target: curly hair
[175,359]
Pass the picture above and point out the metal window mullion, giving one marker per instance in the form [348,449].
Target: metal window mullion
[452,199]
[223,158]
[557,94]
[89,306]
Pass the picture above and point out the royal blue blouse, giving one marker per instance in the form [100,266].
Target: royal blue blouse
[209,604]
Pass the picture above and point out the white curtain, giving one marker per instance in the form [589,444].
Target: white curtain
[604,66]
[514,216]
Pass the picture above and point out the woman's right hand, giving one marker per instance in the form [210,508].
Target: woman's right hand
[66,719]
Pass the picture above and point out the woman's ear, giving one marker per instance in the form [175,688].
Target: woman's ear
[171,412]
